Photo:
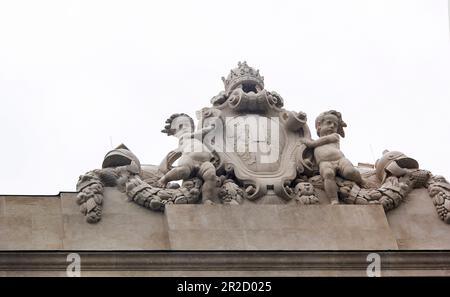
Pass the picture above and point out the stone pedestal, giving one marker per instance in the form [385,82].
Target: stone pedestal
[38,232]
[278,227]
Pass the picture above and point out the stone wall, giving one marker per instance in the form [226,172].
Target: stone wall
[55,223]
[330,240]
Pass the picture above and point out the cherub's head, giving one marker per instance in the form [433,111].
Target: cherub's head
[179,124]
[330,122]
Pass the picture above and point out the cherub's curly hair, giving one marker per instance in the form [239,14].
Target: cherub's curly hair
[168,127]
[341,123]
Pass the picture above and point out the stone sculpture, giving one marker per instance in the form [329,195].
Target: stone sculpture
[195,157]
[305,194]
[247,149]
[328,155]
[439,190]
[230,193]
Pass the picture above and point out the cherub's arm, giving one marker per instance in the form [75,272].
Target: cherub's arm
[202,132]
[321,141]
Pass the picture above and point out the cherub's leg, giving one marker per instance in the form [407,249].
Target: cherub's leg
[208,174]
[329,182]
[180,172]
[349,172]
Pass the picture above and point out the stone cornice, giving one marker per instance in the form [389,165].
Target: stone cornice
[392,262]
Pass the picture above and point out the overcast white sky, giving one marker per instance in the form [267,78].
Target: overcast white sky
[76,74]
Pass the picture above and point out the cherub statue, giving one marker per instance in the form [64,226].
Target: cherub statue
[327,154]
[195,158]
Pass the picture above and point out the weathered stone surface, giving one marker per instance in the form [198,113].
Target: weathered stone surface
[15,232]
[50,223]
[30,223]
[207,240]
[68,204]
[31,233]
[116,232]
[2,206]
[277,227]
[124,226]
[417,225]
[32,205]
[46,232]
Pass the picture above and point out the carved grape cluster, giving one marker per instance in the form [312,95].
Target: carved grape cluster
[439,190]
[90,199]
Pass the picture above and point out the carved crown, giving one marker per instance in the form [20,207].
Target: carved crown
[243,74]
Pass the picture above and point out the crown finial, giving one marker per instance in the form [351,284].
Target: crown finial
[243,74]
